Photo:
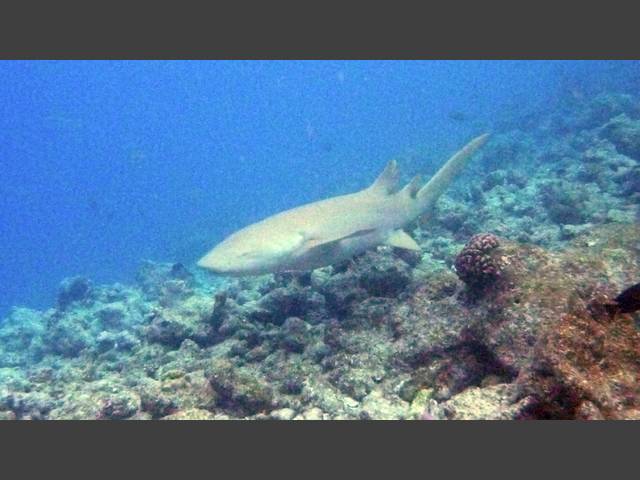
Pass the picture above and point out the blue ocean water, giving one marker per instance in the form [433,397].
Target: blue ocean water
[106,163]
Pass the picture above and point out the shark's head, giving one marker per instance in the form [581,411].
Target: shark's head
[249,252]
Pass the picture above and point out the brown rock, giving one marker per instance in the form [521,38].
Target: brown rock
[587,366]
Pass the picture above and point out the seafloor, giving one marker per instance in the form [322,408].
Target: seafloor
[509,324]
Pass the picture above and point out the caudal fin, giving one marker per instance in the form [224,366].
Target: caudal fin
[428,195]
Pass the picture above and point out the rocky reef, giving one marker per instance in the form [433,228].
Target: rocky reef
[587,366]
[503,315]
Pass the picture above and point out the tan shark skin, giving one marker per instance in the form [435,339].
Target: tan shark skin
[328,231]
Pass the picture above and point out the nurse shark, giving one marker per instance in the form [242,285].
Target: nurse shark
[335,229]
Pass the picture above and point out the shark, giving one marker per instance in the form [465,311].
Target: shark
[335,229]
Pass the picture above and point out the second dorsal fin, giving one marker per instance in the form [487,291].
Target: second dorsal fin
[412,187]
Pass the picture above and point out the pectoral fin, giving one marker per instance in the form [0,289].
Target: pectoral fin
[401,239]
[328,251]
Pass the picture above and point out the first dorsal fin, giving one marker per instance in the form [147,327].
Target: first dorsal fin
[387,181]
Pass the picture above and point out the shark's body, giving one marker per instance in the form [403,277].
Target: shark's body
[329,231]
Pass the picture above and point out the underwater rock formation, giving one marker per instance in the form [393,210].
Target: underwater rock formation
[421,352]
[624,133]
[239,390]
[153,278]
[586,366]
[73,290]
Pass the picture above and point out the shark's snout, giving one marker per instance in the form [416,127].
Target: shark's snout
[215,262]
[227,260]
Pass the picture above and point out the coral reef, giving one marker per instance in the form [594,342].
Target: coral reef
[421,351]
[511,324]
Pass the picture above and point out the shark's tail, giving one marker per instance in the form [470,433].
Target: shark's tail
[428,195]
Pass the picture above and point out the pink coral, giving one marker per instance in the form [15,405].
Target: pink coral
[477,265]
